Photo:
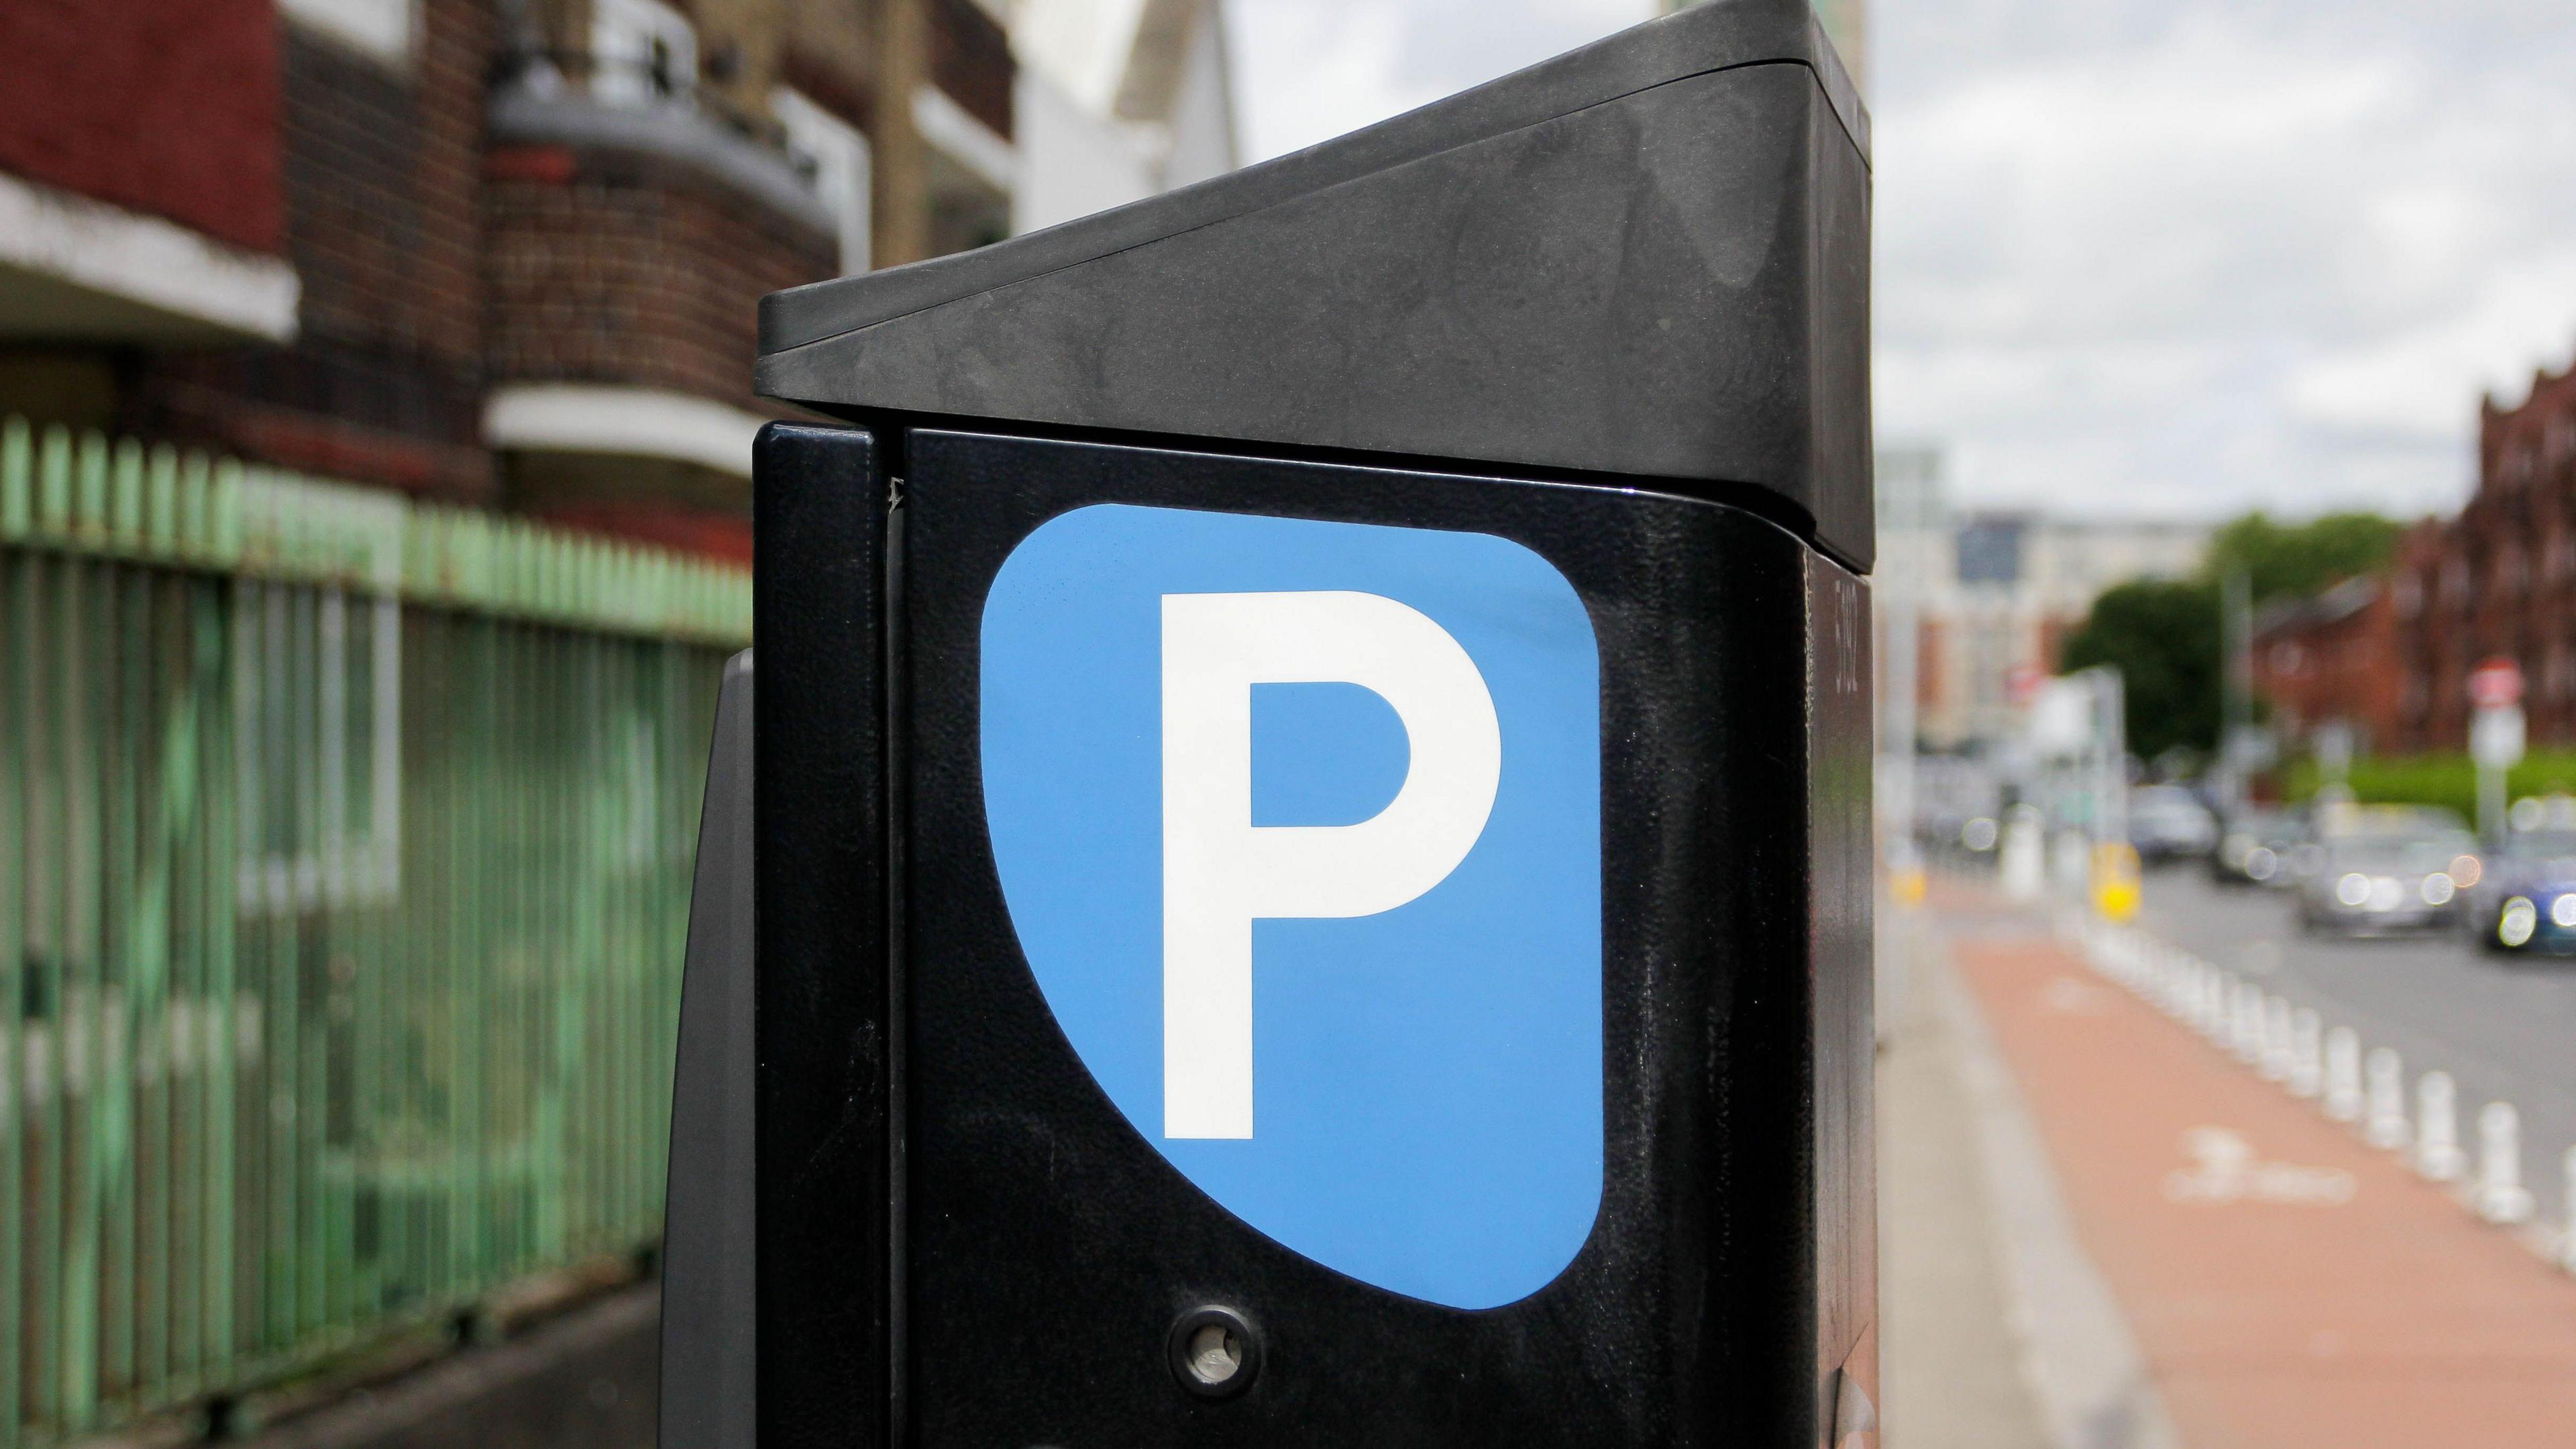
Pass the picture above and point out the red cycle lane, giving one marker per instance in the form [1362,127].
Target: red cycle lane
[2288,1286]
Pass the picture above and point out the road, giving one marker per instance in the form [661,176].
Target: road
[2504,1027]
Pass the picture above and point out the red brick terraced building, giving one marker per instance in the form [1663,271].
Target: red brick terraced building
[2496,582]
[507,253]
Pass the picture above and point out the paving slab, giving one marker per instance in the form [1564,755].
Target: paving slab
[2286,1285]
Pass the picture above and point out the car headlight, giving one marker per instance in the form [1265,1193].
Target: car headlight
[2261,863]
[2353,889]
[2438,890]
[2516,923]
[2563,911]
[2466,871]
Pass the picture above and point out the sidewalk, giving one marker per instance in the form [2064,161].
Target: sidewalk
[2283,1284]
[1952,1350]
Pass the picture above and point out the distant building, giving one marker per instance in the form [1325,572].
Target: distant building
[508,253]
[2332,660]
[2002,591]
[2498,581]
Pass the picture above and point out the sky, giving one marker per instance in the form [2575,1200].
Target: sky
[2172,258]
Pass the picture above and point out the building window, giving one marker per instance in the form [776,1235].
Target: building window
[642,53]
[380,28]
[835,155]
[1990,551]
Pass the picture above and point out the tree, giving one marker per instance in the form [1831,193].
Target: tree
[2302,560]
[2163,637]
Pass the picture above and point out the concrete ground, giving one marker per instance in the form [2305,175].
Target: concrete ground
[1952,1357]
[586,1380]
[2264,1278]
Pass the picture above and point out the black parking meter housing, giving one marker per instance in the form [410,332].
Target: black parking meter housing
[1612,310]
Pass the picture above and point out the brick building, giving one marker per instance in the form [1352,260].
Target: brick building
[2498,581]
[1994,594]
[507,252]
[2332,659]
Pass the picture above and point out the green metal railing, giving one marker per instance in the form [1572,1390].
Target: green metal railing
[344,858]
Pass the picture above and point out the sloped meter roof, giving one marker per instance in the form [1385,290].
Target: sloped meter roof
[1648,257]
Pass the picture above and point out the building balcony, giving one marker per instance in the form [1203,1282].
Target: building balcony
[140,198]
[632,222]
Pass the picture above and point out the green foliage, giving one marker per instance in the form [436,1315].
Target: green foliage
[2449,780]
[2163,636]
[2300,560]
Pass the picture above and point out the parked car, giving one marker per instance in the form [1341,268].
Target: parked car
[2527,898]
[2256,848]
[2376,872]
[2168,822]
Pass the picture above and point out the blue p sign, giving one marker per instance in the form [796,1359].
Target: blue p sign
[1299,827]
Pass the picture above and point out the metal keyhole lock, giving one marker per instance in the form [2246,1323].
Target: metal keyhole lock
[1215,1353]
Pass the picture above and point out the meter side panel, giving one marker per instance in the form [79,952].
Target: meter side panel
[822,832]
[1843,975]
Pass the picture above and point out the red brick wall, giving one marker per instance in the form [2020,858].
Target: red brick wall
[382,188]
[650,282]
[2344,667]
[381,168]
[168,107]
[2499,581]
[970,59]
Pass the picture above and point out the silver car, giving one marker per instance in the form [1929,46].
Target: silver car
[2377,884]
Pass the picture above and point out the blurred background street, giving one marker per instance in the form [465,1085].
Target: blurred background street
[375,484]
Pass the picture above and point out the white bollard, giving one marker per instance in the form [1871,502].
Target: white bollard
[2276,1040]
[2501,1196]
[2387,1128]
[2567,1238]
[2307,1054]
[2022,868]
[2343,1075]
[2437,1129]
[2248,1038]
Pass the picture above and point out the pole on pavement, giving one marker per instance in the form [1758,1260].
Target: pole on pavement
[2277,1047]
[2307,1061]
[2501,1196]
[2496,740]
[2387,1129]
[2437,1129]
[2567,1233]
[2344,1101]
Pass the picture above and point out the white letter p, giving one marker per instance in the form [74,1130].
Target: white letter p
[1221,872]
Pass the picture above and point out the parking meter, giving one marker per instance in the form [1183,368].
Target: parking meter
[1308,813]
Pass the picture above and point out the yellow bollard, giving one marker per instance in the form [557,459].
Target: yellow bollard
[1908,884]
[2115,881]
